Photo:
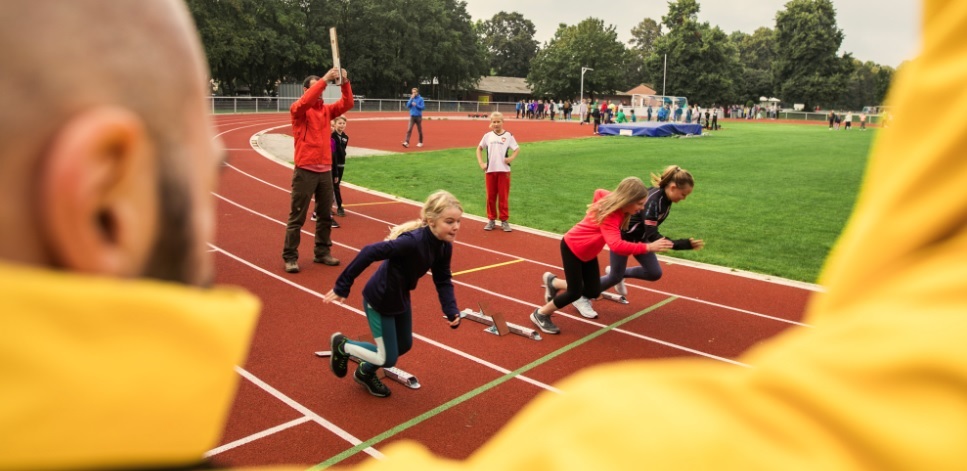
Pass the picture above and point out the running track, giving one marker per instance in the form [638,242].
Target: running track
[291,409]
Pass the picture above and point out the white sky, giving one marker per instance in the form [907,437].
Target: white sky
[883,31]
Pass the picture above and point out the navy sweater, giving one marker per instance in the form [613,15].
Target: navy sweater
[405,260]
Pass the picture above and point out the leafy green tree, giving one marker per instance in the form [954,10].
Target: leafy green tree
[755,56]
[702,62]
[556,70]
[252,44]
[643,37]
[866,86]
[463,61]
[509,41]
[388,46]
[806,68]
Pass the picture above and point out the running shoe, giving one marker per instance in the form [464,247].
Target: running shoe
[544,322]
[549,290]
[371,382]
[584,307]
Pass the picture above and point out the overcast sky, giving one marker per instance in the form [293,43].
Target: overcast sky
[883,31]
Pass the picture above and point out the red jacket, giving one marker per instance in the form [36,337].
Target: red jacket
[587,238]
[311,125]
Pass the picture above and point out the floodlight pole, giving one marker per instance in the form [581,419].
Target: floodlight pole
[664,76]
[583,70]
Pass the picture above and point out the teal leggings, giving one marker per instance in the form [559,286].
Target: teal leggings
[392,337]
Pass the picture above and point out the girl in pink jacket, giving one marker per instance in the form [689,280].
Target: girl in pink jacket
[606,217]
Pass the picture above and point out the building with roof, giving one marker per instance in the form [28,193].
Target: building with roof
[495,88]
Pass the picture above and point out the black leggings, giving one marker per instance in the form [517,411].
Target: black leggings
[337,171]
[583,278]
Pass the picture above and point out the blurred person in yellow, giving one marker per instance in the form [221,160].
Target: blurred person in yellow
[115,351]
[878,382]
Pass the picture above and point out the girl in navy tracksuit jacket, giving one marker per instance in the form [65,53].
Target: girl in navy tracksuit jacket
[410,250]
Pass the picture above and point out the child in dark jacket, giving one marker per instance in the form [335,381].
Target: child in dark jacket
[410,250]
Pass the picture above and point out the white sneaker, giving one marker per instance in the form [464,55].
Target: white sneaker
[619,288]
[584,307]
[419,144]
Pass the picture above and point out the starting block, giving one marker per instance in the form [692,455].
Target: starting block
[497,325]
[393,373]
[614,297]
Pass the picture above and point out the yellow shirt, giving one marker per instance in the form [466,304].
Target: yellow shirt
[105,373]
[879,383]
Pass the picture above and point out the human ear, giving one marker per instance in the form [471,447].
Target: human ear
[98,194]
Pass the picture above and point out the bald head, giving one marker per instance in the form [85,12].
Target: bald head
[61,57]
[66,62]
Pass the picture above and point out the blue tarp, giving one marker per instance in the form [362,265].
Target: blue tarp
[649,129]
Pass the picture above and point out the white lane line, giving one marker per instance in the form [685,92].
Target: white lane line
[257,436]
[519,301]
[305,411]
[428,340]
[536,262]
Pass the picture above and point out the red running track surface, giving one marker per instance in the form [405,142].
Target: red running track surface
[291,409]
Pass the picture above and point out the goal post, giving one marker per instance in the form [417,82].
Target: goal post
[675,107]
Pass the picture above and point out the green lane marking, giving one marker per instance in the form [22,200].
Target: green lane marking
[484,388]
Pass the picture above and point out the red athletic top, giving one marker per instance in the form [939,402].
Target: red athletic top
[311,126]
[586,239]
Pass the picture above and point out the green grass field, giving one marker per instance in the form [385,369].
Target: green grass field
[768,198]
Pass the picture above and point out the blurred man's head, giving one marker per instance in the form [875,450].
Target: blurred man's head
[109,155]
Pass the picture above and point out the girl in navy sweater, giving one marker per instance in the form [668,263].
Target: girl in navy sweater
[410,250]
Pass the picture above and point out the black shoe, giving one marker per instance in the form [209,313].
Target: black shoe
[339,358]
[372,383]
[341,212]
[332,219]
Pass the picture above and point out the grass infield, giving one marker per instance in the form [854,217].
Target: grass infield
[768,198]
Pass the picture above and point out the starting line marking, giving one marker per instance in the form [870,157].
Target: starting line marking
[501,264]
[370,204]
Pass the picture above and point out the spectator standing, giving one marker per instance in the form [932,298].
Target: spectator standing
[415,104]
[312,175]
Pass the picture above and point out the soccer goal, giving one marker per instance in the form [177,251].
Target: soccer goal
[674,107]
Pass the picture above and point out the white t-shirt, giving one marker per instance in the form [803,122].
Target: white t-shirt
[498,145]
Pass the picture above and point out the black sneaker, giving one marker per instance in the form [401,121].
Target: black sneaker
[339,358]
[332,219]
[340,212]
[372,383]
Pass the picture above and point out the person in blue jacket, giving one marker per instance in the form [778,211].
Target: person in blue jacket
[415,104]
[410,250]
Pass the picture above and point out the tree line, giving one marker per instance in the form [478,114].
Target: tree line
[390,46]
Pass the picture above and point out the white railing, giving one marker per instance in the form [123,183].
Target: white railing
[243,104]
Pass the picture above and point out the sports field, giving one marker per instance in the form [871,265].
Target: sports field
[769,198]
[291,408]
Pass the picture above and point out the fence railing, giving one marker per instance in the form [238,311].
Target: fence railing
[814,116]
[240,104]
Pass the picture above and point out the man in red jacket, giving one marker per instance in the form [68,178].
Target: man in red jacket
[312,175]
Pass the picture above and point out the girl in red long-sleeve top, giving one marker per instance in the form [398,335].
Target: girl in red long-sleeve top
[606,217]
